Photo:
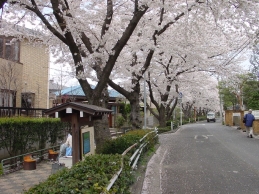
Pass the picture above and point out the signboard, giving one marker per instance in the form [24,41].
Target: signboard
[87,141]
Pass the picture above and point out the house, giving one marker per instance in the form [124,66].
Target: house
[76,94]
[24,70]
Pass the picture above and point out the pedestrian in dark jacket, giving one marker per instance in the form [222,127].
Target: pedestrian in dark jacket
[249,119]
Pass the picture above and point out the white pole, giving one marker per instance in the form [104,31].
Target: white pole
[145,102]
[181,114]
[221,109]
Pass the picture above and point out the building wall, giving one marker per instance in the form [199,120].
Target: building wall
[35,75]
[14,78]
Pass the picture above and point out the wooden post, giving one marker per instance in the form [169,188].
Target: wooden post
[75,139]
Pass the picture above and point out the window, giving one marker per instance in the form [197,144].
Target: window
[7,98]
[28,100]
[9,49]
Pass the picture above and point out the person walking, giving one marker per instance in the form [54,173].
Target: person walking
[248,120]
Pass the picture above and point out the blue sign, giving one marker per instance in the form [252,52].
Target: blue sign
[86,142]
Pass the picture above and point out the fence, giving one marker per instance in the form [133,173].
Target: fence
[135,156]
[14,111]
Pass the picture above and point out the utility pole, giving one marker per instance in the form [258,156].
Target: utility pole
[181,110]
[145,102]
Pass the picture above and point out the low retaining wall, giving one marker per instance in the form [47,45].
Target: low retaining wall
[231,120]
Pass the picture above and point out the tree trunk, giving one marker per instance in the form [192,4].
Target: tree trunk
[135,112]
[162,116]
[133,98]
[101,132]
[101,126]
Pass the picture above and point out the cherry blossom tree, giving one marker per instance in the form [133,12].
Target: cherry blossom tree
[86,34]
[97,35]
[199,92]
[194,51]
[139,53]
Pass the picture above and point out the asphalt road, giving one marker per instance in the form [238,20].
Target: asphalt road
[204,158]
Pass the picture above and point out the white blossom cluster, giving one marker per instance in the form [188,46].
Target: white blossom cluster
[190,40]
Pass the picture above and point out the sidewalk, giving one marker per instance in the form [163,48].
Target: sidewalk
[241,130]
[19,181]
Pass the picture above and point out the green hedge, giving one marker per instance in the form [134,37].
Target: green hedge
[89,176]
[1,169]
[18,135]
[120,144]
[175,123]
[164,129]
[92,175]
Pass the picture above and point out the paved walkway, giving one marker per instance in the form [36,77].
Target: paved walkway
[19,181]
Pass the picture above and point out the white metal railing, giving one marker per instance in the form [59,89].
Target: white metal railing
[134,158]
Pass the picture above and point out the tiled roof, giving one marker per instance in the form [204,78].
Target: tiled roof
[87,108]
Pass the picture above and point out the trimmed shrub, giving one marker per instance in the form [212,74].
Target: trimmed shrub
[92,175]
[120,144]
[164,129]
[18,134]
[89,176]
[175,123]
[1,169]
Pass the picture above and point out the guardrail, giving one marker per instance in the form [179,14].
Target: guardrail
[16,163]
[134,158]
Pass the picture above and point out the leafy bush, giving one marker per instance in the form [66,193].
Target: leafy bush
[164,129]
[119,121]
[1,169]
[19,134]
[89,176]
[92,175]
[175,123]
[120,144]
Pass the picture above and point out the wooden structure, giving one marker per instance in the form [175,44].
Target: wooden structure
[29,163]
[77,114]
[229,118]
[256,127]
[230,121]
[52,155]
